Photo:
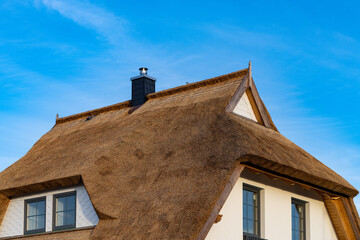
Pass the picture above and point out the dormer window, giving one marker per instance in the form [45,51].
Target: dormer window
[35,215]
[45,212]
[64,211]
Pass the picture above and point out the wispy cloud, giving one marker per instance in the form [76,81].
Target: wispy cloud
[25,82]
[248,38]
[90,16]
[126,50]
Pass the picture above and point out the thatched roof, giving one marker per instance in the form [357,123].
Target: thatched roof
[157,171]
[76,234]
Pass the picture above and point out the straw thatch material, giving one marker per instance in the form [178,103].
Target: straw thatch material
[83,234]
[156,172]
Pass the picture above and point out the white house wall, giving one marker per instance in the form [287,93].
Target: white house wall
[275,210]
[243,108]
[13,223]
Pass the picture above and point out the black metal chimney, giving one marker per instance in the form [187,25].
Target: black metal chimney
[142,85]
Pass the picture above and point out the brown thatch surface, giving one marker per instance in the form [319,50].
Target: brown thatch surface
[83,234]
[156,173]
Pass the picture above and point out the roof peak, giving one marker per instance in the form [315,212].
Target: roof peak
[198,84]
[167,92]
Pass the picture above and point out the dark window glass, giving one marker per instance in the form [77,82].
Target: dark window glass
[298,219]
[251,210]
[64,211]
[35,215]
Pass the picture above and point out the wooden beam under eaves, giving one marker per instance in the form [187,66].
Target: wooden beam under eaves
[342,218]
[305,186]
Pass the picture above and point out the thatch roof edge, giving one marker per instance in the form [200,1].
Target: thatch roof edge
[116,106]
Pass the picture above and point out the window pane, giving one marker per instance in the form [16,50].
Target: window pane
[60,204]
[35,215]
[70,202]
[70,218]
[245,212]
[250,211]
[60,219]
[31,209]
[31,223]
[41,208]
[251,227]
[245,197]
[250,197]
[298,220]
[41,222]
[245,226]
[65,211]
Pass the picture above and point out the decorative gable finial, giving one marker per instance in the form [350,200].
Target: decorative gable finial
[249,68]
[57,116]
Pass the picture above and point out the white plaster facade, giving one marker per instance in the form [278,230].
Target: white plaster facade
[13,223]
[243,108]
[275,215]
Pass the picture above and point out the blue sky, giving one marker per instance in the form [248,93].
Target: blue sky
[71,56]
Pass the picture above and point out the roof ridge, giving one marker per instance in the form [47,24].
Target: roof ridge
[166,92]
[198,84]
[96,111]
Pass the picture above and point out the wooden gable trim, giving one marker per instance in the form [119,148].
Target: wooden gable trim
[342,217]
[254,106]
[259,103]
[352,217]
[247,86]
[355,213]
[238,94]
[220,202]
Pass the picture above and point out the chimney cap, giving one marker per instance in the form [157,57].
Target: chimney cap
[143,70]
[143,73]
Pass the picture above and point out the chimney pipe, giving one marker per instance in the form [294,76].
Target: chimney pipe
[143,71]
[142,85]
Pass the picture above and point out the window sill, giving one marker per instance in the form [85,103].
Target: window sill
[47,233]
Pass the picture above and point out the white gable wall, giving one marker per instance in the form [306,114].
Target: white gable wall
[275,215]
[243,108]
[13,223]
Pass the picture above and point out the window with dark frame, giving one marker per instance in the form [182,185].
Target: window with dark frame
[251,211]
[35,215]
[298,219]
[64,212]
